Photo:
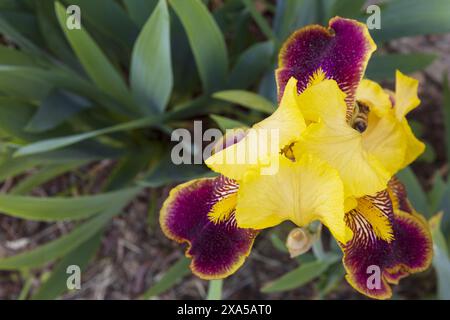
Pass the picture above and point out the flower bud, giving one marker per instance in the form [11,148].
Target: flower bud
[299,241]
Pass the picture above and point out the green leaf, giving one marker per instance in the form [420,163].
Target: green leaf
[416,194]
[251,65]
[278,243]
[191,108]
[15,83]
[94,61]
[60,142]
[52,34]
[225,123]
[183,61]
[293,14]
[36,83]
[11,56]
[246,99]
[441,259]
[24,22]
[206,40]
[24,43]
[60,247]
[446,111]
[87,151]
[26,286]
[235,21]
[59,209]
[437,193]
[140,10]
[259,19]
[109,18]
[174,274]
[56,284]
[15,114]
[166,172]
[429,155]
[56,143]
[402,18]
[42,176]
[151,68]
[10,4]
[128,168]
[300,276]
[347,8]
[383,67]
[268,87]
[417,127]
[215,290]
[332,279]
[55,109]
[445,206]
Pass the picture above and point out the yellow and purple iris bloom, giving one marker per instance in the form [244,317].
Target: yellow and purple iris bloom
[329,168]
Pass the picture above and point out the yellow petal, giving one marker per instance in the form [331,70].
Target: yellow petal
[342,147]
[302,191]
[373,95]
[414,147]
[334,141]
[385,139]
[388,136]
[263,140]
[406,98]
[323,100]
[350,203]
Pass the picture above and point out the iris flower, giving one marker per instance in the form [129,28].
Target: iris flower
[339,142]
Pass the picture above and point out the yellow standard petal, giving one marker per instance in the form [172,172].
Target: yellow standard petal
[414,147]
[323,100]
[406,98]
[373,95]
[342,147]
[388,136]
[333,140]
[302,191]
[385,139]
[263,140]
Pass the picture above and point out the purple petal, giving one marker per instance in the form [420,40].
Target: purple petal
[217,249]
[341,51]
[410,250]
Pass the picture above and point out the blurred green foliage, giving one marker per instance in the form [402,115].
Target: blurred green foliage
[139,68]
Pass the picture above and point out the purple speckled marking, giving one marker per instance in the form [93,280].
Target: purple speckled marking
[409,252]
[342,53]
[400,195]
[216,249]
